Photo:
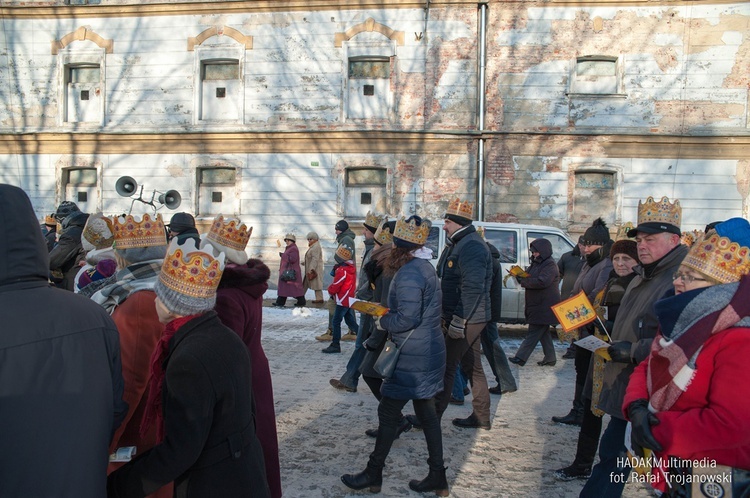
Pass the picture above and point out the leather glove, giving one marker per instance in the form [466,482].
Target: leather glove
[457,328]
[377,323]
[641,420]
[620,352]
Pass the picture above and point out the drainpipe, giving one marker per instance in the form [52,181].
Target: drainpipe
[481,93]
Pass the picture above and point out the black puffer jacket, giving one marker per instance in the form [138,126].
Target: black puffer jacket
[542,289]
[496,290]
[65,256]
[60,371]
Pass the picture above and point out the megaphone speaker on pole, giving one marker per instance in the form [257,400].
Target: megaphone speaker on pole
[126,186]
[171,199]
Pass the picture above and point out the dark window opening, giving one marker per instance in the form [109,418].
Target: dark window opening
[83,196]
[216,197]
[365,198]
[369,90]
[221,93]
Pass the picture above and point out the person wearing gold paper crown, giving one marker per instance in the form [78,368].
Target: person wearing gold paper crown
[465,271]
[239,304]
[413,322]
[200,400]
[97,240]
[140,247]
[341,290]
[690,399]
[657,236]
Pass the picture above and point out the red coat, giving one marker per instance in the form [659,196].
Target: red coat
[239,303]
[290,260]
[344,283]
[712,417]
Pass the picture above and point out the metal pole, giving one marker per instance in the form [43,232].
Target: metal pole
[481,94]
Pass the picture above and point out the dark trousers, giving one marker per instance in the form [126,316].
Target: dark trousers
[537,333]
[495,355]
[607,477]
[347,314]
[351,376]
[374,383]
[582,364]
[466,352]
[588,436]
[389,416]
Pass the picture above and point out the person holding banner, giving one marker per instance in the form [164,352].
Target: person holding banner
[542,292]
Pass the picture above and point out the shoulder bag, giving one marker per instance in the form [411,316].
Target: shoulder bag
[386,362]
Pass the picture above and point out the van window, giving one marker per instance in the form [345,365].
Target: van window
[506,243]
[433,241]
[559,245]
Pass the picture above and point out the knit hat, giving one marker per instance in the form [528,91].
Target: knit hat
[384,233]
[411,233]
[460,212]
[98,233]
[312,236]
[103,269]
[64,209]
[342,226]
[181,222]
[372,221]
[624,246]
[290,236]
[597,234]
[229,236]
[658,217]
[724,255]
[130,233]
[343,253]
[189,278]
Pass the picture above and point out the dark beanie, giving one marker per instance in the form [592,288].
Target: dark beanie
[181,222]
[624,246]
[342,226]
[458,219]
[64,209]
[597,234]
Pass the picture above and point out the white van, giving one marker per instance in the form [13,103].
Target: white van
[512,240]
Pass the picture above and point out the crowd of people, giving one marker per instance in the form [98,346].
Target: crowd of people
[150,340]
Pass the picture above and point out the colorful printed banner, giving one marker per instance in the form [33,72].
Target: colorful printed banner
[574,312]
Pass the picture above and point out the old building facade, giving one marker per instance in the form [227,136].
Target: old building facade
[295,114]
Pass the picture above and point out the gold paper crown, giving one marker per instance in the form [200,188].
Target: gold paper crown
[373,220]
[192,272]
[383,234]
[660,212]
[410,232]
[50,220]
[344,252]
[688,238]
[462,209]
[719,258]
[130,233]
[231,233]
[99,240]
[622,232]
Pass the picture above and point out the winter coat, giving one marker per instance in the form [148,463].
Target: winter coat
[414,300]
[290,260]
[593,278]
[314,261]
[65,256]
[342,287]
[60,371]
[364,291]
[570,265]
[210,447]
[187,234]
[465,271]
[542,285]
[380,282]
[637,324]
[239,304]
[496,289]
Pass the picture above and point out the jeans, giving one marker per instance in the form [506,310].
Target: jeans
[332,311]
[338,314]
[495,355]
[389,417]
[607,478]
[458,385]
[351,376]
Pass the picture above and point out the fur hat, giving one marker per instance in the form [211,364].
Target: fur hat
[342,226]
[460,212]
[312,236]
[229,236]
[290,236]
[597,234]
[64,209]
[343,253]
[98,233]
[412,232]
[624,246]
[658,217]
[724,255]
[189,278]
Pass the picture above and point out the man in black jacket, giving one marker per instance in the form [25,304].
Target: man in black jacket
[64,257]
[60,372]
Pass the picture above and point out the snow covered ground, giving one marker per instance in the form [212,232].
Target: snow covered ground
[321,429]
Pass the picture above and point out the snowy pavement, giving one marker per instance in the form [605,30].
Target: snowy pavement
[321,429]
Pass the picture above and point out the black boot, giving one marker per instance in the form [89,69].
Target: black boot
[369,478]
[574,416]
[435,481]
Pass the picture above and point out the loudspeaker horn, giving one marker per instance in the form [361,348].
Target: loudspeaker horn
[126,186]
[171,199]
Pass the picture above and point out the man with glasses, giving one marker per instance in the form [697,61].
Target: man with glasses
[660,254]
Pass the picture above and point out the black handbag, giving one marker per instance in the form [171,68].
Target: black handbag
[288,275]
[386,362]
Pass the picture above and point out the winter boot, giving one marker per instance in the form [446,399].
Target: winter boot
[574,416]
[573,471]
[435,481]
[369,478]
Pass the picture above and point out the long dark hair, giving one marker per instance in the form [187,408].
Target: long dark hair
[397,258]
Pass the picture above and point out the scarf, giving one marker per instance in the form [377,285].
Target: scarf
[136,277]
[686,322]
[153,411]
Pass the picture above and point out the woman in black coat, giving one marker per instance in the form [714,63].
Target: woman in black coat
[542,292]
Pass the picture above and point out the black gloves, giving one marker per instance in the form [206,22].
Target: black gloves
[641,420]
[620,352]
[457,328]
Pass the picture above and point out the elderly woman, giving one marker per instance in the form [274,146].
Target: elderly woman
[313,268]
[689,399]
[413,322]
[290,274]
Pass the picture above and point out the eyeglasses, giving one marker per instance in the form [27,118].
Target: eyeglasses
[686,278]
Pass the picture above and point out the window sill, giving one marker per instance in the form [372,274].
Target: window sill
[597,95]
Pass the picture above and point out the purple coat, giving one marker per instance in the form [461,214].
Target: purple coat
[290,259]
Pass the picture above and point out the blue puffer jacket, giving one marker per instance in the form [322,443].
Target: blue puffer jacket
[414,301]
